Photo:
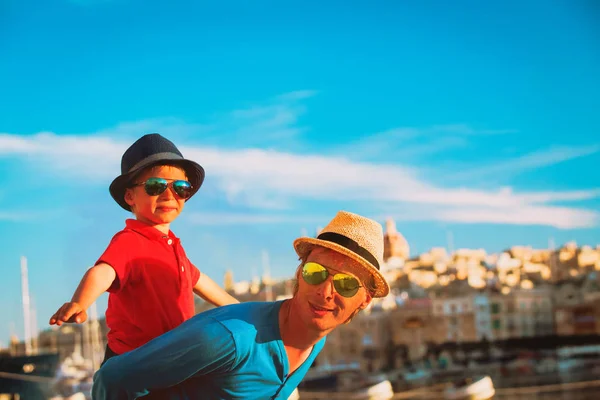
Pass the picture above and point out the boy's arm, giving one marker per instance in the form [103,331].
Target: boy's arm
[210,291]
[95,282]
[199,346]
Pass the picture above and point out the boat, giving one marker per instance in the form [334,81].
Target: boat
[416,375]
[295,395]
[74,377]
[351,382]
[31,374]
[577,358]
[480,388]
[28,376]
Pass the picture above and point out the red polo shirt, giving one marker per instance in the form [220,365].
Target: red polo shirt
[153,290]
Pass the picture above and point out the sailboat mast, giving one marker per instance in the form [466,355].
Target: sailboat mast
[267,276]
[26,305]
[34,327]
[95,336]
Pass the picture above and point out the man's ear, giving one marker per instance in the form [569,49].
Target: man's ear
[368,299]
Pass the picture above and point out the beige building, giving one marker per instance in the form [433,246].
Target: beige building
[521,313]
[362,341]
[424,276]
[580,319]
[495,316]
[533,312]
[577,305]
[589,258]
[456,318]
[412,327]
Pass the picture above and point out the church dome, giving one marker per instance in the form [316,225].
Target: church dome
[394,245]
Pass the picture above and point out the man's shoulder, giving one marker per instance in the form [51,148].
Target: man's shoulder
[247,317]
[249,310]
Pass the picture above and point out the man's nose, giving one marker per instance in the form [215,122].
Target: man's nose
[326,288]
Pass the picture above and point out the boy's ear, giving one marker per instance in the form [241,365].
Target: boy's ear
[129,197]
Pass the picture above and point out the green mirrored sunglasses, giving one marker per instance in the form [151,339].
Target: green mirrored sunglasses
[315,274]
[157,186]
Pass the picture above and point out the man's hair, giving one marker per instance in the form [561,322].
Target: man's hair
[369,284]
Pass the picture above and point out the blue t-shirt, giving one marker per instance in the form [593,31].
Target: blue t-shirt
[230,352]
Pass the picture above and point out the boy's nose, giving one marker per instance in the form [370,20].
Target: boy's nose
[169,193]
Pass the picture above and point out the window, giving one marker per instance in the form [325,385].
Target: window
[496,324]
[545,304]
[495,308]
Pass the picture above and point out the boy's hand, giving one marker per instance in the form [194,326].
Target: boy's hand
[69,312]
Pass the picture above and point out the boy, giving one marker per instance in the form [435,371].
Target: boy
[145,269]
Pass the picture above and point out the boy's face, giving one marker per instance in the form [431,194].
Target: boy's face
[161,209]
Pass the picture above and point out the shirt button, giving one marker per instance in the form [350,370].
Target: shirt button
[170,241]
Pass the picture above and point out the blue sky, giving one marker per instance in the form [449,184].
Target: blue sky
[472,118]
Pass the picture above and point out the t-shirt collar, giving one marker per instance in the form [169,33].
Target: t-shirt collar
[147,230]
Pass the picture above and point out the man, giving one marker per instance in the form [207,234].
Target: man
[259,350]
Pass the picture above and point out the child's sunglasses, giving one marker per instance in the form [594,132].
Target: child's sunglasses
[315,274]
[156,186]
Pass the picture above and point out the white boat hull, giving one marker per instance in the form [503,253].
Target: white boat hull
[482,389]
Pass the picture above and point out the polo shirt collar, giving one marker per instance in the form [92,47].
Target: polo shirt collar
[147,230]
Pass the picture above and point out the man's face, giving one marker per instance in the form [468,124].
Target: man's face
[161,209]
[321,306]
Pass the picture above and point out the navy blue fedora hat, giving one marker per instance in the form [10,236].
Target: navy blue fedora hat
[147,151]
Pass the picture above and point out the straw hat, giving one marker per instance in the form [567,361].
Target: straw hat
[354,236]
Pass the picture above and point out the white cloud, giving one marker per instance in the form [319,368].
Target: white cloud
[527,162]
[406,142]
[19,216]
[297,95]
[166,126]
[91,156]
[220,218]
[267,179]
[467,130]
[336,178]
[269,124]
[273,123]
[11,144]
[261,178]
[562,217]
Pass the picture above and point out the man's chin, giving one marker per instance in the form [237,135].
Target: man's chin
[322,324]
